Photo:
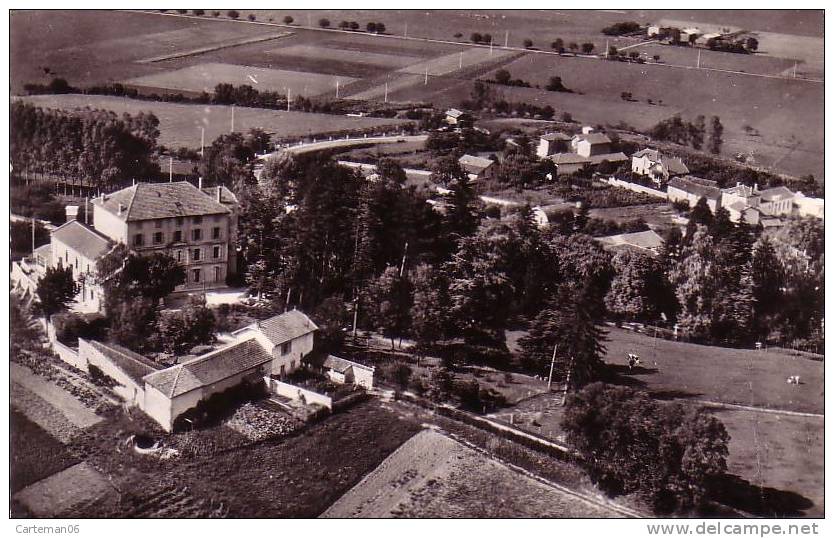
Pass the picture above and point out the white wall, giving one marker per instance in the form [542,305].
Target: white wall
[300,347]
[109,224]
[130,391]
[291,391]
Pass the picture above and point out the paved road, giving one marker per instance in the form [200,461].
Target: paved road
[346,143]
[464,44]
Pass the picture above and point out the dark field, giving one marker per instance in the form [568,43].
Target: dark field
[34,454]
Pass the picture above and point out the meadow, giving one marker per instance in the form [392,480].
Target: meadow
[179,124]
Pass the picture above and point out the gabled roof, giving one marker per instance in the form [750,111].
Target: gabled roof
[776,194]
[134,366]
[145,201]
[45,252]
[209,368]
[227,197]
[471,163]
[594,138]
[690,185]
[738,205]
[343,365]
[568,158]
[455,113]
[83,239]
[652,154]
[647,240]
[674,166]
[284,327]
[610,157]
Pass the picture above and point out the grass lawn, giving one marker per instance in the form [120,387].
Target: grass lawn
[736,376]
[179,124]
[688,56]
[34,454]
[656,215]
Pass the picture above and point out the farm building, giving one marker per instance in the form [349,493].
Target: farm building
[590,143]
[656,166]
[647,242]
[553,143]
[739,211]
[343,371]
[809,207]
[288,337]
[690,189]
[120,364]
[458,118]
[777,201]
[477,167]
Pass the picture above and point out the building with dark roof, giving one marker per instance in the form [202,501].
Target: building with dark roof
[553,143]
[656,166]
[341,370]
[691,189]
[78,246]
[477,167]
[197,227]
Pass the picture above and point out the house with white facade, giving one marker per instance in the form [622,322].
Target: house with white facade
[551,143]
[652,164]
[478,167]
[343,371]
[690,189]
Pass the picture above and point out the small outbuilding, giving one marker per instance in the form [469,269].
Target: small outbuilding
[343,371]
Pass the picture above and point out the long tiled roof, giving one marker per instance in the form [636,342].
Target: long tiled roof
[342,365]
[610,157]
[145,201]
[82,239]
[568,158]
[135,366]
[209,369]
[776,194]
[594,138]
[695,187]
[648,239]
[285,327]
[227,197]
[471,163]
[555,136]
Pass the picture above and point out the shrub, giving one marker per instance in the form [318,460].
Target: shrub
[324,23]
[251,17]
[621,28]
[232,14]
[69,327]
[528,43]
[288,20]
[476,37]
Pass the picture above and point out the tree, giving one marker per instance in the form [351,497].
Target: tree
[232,14]
[388,299]
[640,289]
[528,43]
[332,317]
[555,84]
[716,135]
[134,323]
[696,285]
[751,44]
[558,45]
[476,37]
[251,17]
[567,326]
[612,52]
[656,57]
[153,276]
[701,213]
[697,132]
[630,443]
[198,12]
[371,27]
[430,306]
[588,48]
[380,28]
[288,20]
[354,25]
[344,25]
[324,23]
[633,55]
[502,76]
[56,290]
[573,47]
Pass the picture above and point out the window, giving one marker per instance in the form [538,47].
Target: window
[179,221]
[178,256]
[217,274]
[138,240]
[215,251]
[157,223]
[196,234]
[215,232]
[178,236]
[195,275]
[76,263]
[292,365]
[195,254]
[286,347]
[157,238]
[197,220]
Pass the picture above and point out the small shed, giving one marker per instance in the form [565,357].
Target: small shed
[343,371]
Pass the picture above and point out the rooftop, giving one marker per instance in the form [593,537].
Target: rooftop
[283,327]
[610,157]
[135,366]
[569,158]
[594,138]
[647,240]
[145,201]
[472,163]
[83,239]
[556,136]
[209,368]
[343,365]
[692,185]
[776,194]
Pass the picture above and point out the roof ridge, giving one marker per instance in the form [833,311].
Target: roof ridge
[130,203]
[176,379]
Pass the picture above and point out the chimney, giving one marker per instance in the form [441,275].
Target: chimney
[121,208]
[219,193]
[200,183]
[72,212]
[755,187]
[587,129]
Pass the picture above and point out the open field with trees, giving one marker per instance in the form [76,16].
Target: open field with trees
[179,124]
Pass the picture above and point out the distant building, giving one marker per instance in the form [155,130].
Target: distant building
[690,189]
[458,118]
[777,201]
[478,167]
[659,168]
[591,143]
[553,143]
[79,247]
[809,207]
[569,163]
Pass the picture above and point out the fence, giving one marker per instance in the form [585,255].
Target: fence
[297,393]
[69,355]
[636,187]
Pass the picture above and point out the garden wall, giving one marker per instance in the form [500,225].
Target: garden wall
[636,187]
[291,391]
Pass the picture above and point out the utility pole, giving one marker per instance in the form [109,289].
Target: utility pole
[460,60]
[33,235]
[386,91]
[202,141]
[607,48]
[490,46]
[337,88]
[406,30]
[232,128]
[506,38]
[552,362]
[289,97]
[170,169]
[355,314]
[699,58]
[426,81]
[87,209]
[794,70]
[405,253]
[567,382]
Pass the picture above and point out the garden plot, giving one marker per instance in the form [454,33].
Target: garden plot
[432,475]
[68,493]
[74,411]
[346,55]
[41,413]
[204,77]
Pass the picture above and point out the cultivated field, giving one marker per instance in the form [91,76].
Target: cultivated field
[432,475]
[69,493]
[204,77]
[688,56]
[34,453]
[179,124]
[346,55]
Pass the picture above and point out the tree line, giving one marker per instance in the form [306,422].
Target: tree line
[98,148]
